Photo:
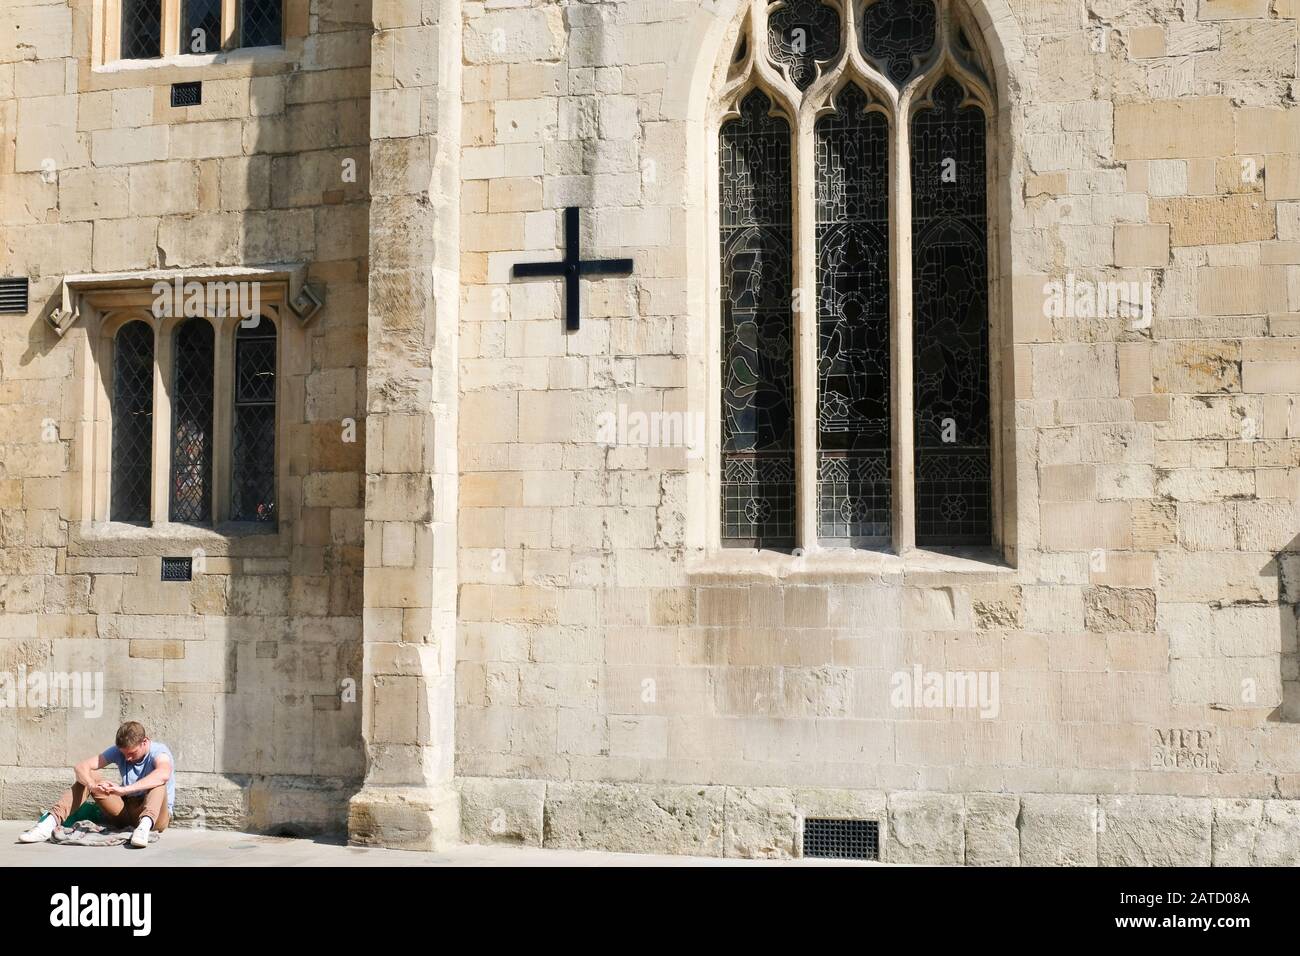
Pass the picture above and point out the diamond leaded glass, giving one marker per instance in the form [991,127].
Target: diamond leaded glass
[191,471]
[201,26]
[950,309]
[757,328]
[132,422]
[896,33]
[852,162]
[260,23]
[801,32]
[141,29]
[253,441]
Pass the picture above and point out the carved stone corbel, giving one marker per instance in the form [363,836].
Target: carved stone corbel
[61,319]
[305,301]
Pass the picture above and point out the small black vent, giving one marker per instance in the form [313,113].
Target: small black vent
[187,94]
[13,296]
[841,839]
[177,569]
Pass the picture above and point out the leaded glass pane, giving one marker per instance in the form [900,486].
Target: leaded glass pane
[132,465]
[896,33]
[950,308]
[191,472]
[757,329]
[801,32]
[141,29]
[260,23]
[253,441]
[852,156]
[201,26]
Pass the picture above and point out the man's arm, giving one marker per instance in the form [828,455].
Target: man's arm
[161,773]
[85,770]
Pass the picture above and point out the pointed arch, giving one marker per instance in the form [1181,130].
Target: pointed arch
[862,455]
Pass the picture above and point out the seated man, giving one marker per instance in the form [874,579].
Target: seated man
[143,800]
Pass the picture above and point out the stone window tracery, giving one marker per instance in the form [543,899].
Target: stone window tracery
[854,278]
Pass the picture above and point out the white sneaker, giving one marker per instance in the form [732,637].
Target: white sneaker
[140,836]
[41,832]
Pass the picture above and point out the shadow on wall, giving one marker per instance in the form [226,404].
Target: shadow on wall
[290,723]
[1285,566]
[251,673]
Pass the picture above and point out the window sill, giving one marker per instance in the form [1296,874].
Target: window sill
[230,539]
[229,63]
[256,54]
[824,565]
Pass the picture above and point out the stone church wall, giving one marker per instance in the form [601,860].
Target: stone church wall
[619,687]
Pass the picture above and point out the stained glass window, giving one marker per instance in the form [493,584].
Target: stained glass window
[852,150]
[800,33]
[896,34]
[253,440]
[260,23]
[201,26]
[141,29]
[757,326]
[132,463]
[950,316]
[191,471]
[850,186]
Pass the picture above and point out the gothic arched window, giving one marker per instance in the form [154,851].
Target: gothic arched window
[132,464]
[192,395]
[853,175]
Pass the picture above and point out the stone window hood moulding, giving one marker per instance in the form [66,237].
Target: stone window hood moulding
[304,299]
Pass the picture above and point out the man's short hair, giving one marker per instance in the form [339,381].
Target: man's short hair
[130,734]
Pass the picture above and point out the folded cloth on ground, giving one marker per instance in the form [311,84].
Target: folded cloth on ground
[86,833]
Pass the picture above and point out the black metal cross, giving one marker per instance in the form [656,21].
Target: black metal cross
[572,267]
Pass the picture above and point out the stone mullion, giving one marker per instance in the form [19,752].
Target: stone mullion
[160,510]
[902,432]
[223,388]
[229,24]
[805,332]
[108,19]
[171,27]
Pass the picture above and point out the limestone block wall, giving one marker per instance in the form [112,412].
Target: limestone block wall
[241,670]
[1140,614]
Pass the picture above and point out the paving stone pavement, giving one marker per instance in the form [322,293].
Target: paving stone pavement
[184,847]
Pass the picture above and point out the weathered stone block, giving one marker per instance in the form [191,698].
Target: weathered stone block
[1141,830]
[992,838]
[1106,610]
[926,828]
[630,818]
[501,810]
[1058,830]
[414,818]
[761,823]
[1174,129]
